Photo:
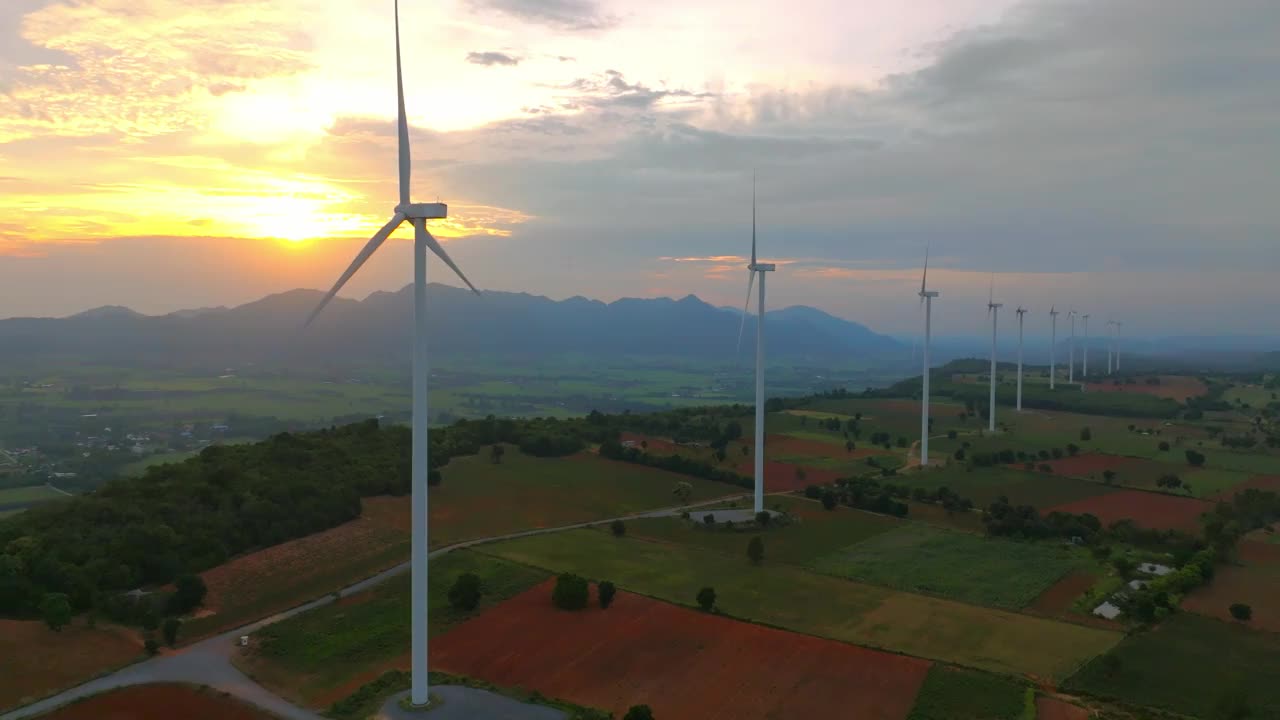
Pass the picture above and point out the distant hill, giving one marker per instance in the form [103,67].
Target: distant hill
[376,330]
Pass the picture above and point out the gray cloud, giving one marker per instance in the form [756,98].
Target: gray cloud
[562,14]
[491,58]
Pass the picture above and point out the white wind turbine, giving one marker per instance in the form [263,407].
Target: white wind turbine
[417,215]
[1111,324]
[1021,312]
[1071,367]
[1118,326]
[1053,347]
[1085,349]
[926,297]
[993,309]
[752,269]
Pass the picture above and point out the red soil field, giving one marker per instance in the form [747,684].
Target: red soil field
[1087,464]
[1174,387]
[1254,582]
[656,445]
[36,661]
[1058,597]
[788,445]
[781,477]
[1048,708]
[1149,510]
[159,702]
[681,662]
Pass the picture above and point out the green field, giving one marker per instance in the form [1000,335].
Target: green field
[954,565]
[984,485]
[316,651]
[1192,665]
[796,599]
[814,532]
[32,494]
[140,466]
[951,693]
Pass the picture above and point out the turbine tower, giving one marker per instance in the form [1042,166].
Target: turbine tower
[1118,326]
[1021,312]
[1071,359]
[1085,349]
[993,309]
[1111,325]
[926,297]
[752,269]
[417,215]
[1053,346]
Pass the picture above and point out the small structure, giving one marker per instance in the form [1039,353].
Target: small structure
[1108,610]
[1154,569]
[244,641]
[1138,584]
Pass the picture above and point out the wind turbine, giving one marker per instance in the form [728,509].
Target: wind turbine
[993,309]
[752,269]
[1086,345]
[926,297]
[1111,324]
[1118,326]
[417,215]
[1053,346]
[1021,312]
[1071,369]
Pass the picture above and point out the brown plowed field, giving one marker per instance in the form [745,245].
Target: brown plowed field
[1058,597]
[36,661]
[1174,387]
[159,702]
[781,477]
[1088,464]
[681,662]
[1048,708]
[1255,582]
[788,445]
[1149,510]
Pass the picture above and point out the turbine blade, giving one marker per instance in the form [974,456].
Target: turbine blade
[369,249]
[924,278]
[402,121]
[751,282]
[753,221]
[421,226]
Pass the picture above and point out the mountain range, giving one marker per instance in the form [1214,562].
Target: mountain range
[376,331]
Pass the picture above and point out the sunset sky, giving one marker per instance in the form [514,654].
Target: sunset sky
[1117,156]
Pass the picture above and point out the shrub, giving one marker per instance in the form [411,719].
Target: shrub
[1164,446]
[55,608]
[829,500]
[465,593]
[434,478]
[951,434]
[707,598]
[813,492]
[1086,434]
[1195,459]
[709,519]
[638,712]
[618,527]
[152,646]
[1240,611]
[763,518]
[755,549]
[605,592]
[189,594]
[170,631]
[571,592]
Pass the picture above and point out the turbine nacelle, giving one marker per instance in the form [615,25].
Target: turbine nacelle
[423,211]
[762,267]
[929,293]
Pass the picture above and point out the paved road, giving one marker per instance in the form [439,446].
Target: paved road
[208,662]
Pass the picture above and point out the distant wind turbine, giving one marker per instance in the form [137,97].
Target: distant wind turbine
[1021,312]
[417,215]
[1086,345]
[1118,326]
[752,269]
[926,297]
[993,309]
[1071,367]
[1111,346]
[1053,347]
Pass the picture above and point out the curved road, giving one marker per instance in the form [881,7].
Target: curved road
[208,662]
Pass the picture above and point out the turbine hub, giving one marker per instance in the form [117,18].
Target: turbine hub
[423,211]
[929,293]
[762,267]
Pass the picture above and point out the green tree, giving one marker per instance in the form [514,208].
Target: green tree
[1123,565]
[1109,476]
[1086,434]
[1073,449]
[571,592]
[1240,611]
[763,518]
[605,592]
[849,446]
[952,434]
[638,712]
[755,549]
[707,598]
[618,528]
[55,608]
[466,592]
[170,631]
[1164,446]
[709,519]
[152,646]
[434,478]
[188,595]
[496,452]
[828,500]
[1195,459]
[683,491]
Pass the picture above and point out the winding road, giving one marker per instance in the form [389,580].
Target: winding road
[208,662]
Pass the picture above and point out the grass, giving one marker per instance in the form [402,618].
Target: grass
[138,467]
[814,532]
[1192,665]
[30,495]
[951,693]
[315,652]
[984,485]
[793,598]
[957,566]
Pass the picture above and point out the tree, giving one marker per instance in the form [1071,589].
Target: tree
[434,478]
[56,610]
[746,449]
[952,434]
[1164,446]
[800,476]
[604,593]
[828,500]
[1123,565]
[1240,611]
[618,528]
[1086,434]
[188,595]
[495,454]
[1195,459]
[152,646]
[571,592]
[763,518]
[683,491]
[755,550]
[170,631]
[709,519]
[466,591]
[1109,476]
[707,598]
[638,712]
[849,446]
[1072,449]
